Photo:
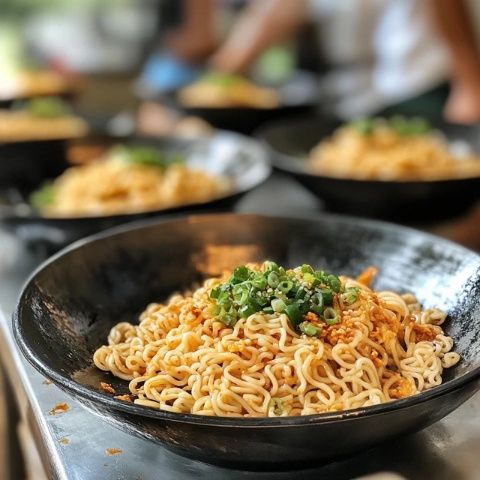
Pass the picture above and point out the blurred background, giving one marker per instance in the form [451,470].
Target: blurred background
[125,67]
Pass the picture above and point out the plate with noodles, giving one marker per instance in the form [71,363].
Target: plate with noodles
[284,334]
[135,177]
[398,168]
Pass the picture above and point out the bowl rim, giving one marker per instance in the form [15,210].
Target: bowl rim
[105,400]
[7,212]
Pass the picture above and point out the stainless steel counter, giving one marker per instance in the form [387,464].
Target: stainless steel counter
[73,445]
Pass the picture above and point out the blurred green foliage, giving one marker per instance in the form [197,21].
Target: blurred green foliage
[22,8]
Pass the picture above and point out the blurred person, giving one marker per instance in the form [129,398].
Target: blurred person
[463,105]
[386,56]
[188,36]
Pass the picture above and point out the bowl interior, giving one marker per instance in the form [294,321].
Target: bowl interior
[69,305]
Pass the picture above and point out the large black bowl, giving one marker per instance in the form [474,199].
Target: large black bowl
[70,303]
[242,160]
[406,201]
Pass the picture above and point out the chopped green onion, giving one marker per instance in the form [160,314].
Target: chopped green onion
[43,196]
[229,319]
[419,126]
[327,295]
[317,299]
[399,124]
[309,329]
[331,316]
[270,266]
[144,155]
[47,107]
[301,294]
[334,283]
[294,314]
[221,79]
[240,294]
[364,125]
[309,278]
[278,305]
[273,279]
[285,286]
[306,269]
[275,290]
[215,293]
[240,274]
[349,296]
[247,310]
[259,282]
[276,406]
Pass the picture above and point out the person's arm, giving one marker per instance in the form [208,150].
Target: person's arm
[452,19]
[196,37]
[264,23]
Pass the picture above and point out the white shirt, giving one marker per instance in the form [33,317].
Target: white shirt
[382,52]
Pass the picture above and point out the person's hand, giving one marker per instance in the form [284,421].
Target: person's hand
[230,60]
[463,103]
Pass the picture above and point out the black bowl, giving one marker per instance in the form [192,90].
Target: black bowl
[70,303]
[406,201]
[297,97]
[24,162]
[244,161]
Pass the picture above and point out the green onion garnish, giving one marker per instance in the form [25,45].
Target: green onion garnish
[47,107]
[399,124]
[272,289]
[278,305]
[43,196]
[309,329]
[144,155]
[276,405]
[221,79]
[331,316]
[273,279]
[349,296]
[364,125]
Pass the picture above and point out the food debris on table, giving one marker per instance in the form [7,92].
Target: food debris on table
[113,451]
[47,382]
[64,440]
[59,408]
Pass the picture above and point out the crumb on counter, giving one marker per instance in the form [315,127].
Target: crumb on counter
[113,451]
[59,408]
[107,388]
[47,382]
[64,440]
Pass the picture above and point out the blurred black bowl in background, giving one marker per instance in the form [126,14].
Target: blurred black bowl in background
[406,201]
[244,161]
[73,300]
[23,163]
[298,96]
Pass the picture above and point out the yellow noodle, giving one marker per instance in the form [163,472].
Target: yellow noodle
[111,187]
[181,359]
[386,155]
